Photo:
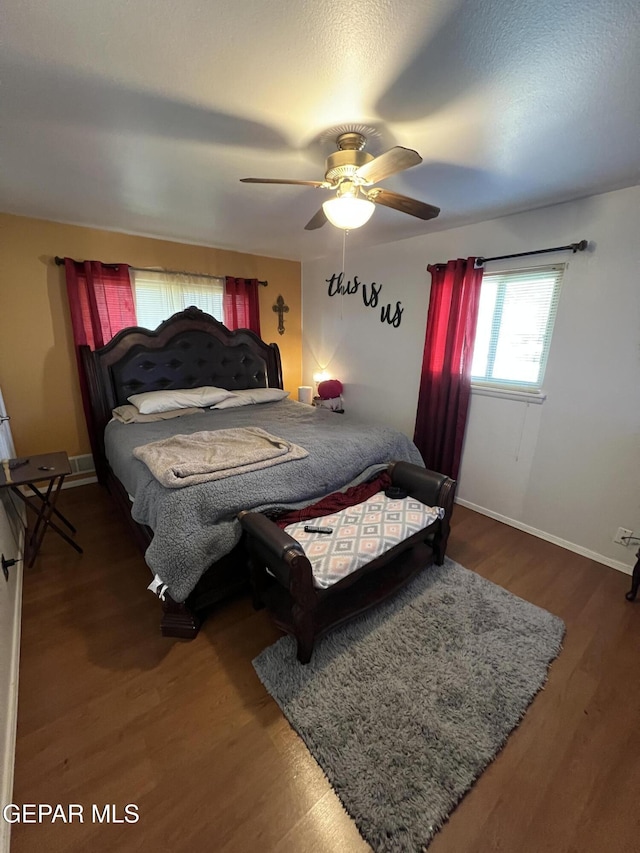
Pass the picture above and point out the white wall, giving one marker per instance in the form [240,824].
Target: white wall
[566,469]
[10,605]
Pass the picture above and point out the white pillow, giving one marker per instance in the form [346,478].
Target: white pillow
[178,398]
[249,396]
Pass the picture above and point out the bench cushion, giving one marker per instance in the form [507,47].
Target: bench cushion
[360,534]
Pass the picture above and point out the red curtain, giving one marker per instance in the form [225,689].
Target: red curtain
[100,300]
[241,304]
[101,303]
[445,385]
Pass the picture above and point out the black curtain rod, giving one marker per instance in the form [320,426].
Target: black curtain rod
[574,247]
[60,262]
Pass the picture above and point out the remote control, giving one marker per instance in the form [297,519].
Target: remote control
[17,463]
[309,528]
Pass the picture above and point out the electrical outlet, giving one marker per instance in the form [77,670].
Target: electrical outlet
[622,536]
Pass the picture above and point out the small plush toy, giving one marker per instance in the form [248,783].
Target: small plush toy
[329,389]
[329,395]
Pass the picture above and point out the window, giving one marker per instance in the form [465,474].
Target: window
[158,295]
[515,322]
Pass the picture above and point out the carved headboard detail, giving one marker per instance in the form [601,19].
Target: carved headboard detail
[188,350]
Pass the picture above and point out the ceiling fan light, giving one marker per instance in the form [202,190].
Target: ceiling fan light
[347,212]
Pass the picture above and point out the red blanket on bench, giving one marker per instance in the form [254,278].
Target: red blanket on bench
[336,501]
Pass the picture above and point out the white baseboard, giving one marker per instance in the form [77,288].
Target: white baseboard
[71,484]
[548,537]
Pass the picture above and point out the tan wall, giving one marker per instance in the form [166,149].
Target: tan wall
[38,373]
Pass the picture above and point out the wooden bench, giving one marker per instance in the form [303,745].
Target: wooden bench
[282,575]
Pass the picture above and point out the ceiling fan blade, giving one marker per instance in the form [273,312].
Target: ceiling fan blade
[316,221]
[392,161]
[284,181]
[405,204]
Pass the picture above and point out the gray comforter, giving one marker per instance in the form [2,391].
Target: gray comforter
[197,525]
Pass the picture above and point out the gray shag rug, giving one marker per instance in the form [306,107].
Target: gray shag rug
[404,707]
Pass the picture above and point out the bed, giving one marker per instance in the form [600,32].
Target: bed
[191,536]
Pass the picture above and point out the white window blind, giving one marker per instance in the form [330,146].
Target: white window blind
[158,295]
[515,322]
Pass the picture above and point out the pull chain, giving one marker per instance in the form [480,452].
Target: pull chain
[344,274]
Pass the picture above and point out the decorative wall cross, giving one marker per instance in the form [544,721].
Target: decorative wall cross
[281,309]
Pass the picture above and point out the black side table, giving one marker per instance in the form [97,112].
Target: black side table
[49,468]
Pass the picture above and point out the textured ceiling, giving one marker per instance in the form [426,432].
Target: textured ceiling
[141,117]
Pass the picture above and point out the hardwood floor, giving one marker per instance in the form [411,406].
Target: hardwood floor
[110,712]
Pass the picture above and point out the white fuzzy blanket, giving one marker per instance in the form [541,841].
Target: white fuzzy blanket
[185,460]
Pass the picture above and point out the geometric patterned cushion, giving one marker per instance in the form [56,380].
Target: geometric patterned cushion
[360,534]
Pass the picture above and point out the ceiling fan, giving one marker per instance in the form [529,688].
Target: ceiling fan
[350,171]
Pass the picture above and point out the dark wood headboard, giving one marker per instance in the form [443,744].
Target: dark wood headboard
[188,350]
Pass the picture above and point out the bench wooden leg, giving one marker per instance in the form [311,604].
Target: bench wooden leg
[303,632]
[258,583]
[438,552]
[439,542]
